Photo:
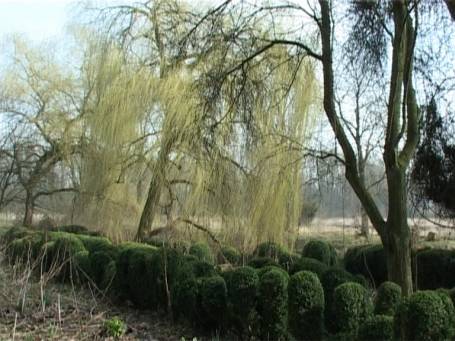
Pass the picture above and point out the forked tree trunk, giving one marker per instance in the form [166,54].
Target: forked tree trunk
[397,241]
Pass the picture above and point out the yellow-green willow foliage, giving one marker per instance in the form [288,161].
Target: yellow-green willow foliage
[250,191]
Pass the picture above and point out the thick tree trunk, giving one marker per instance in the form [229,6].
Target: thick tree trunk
[397,238]
[154,193]
[29,208]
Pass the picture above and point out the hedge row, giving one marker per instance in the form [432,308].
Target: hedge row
[432,268]
[316,301]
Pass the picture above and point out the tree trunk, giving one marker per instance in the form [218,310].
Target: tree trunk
[364,223]
[154,193]
[29,208]
[397,238]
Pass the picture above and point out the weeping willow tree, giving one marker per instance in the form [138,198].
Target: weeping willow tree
[221,165]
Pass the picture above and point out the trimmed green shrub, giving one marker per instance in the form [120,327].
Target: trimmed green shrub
[62,252]
[426,315]
[99,261]
[286,260]
[320,250]
[262,271]
[231,254]
[352,306]
[202,252]
[377,328]
[388,298]
[242,284]
[272,305]
[134,274]
[308,264]
[435,268]
[306,306]
[261,262]
[368,261]
[26,248]
[203,269]
[76,229]
[213,294]
[109,277]
[185,293]
[82,266]
[331,279]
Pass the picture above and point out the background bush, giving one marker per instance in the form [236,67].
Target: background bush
[306,306]
[320,250]
[308,264]
[202,252]
[368,261]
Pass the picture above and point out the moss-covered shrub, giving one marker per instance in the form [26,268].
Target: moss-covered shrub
[377,328]
[320,250]
[230,254]
[213,294]
[352,306]
[435,268]
[76,229]
[242,284]
[368,261]
[97,244]
[308,264]
[24,249]
[16,232]
[388,298]
[426,315]
[260,262]
[62,251]
[134,273]
[108,281]
[272,305]
[82,266]
[306,306]
[202,252]
[185,293]
[331,279]
[99,261]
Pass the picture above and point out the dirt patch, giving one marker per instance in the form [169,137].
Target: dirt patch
[32,310]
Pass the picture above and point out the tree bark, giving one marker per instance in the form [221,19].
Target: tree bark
[154,192]
[397,240]
[29,209]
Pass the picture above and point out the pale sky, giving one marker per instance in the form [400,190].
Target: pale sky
[36,19]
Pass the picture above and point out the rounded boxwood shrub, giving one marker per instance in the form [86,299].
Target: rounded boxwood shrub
[82,266]
[426,315]
[260,262]
[388,298]
[268,249]
[306,306]
[368,261]
[229,253]
[62,253]
[308,264]
[377,328]
[109,280]
[202,252]
[331,279]
[26,248]
[213,295]
[351,306]
[320,250]
[272,305]
[242,284]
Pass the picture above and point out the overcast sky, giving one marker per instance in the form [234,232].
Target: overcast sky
[37,19]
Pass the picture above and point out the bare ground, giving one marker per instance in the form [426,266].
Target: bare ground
[70,313]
